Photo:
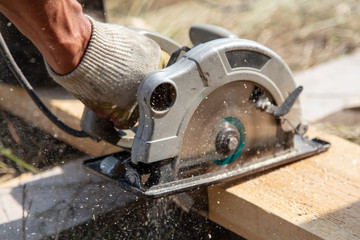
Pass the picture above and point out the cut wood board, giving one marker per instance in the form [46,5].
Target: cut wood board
[316,198]
[16,101]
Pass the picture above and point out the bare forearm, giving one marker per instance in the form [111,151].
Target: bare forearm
[58,28]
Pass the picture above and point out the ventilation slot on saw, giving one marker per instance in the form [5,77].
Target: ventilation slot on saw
[245,58]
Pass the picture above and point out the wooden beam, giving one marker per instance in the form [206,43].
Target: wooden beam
[16,101]
[316,198]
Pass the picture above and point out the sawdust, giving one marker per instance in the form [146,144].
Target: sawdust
[149,219]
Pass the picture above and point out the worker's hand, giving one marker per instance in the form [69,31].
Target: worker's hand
[109,74]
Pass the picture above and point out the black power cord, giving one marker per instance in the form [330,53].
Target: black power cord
[175,55]
[5,52]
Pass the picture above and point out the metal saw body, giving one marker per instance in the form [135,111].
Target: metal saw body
[227,108]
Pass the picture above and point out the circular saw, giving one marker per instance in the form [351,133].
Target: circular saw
[226,108]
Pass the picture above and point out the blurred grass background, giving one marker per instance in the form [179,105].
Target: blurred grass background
[304,33]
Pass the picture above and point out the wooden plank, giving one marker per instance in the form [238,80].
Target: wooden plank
[16,101]
[316,198]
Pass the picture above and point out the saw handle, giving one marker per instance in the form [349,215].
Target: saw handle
[201,33]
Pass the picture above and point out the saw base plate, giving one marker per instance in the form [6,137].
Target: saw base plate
[154,179]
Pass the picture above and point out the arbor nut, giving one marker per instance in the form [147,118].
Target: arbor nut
[227,140]
[232,142]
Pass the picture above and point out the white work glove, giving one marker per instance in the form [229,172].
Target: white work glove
[108,76]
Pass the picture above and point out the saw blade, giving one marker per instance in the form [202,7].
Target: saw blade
[227,129]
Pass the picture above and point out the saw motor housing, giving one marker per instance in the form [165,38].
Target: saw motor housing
[192,79]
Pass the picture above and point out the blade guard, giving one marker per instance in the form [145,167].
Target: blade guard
[168,98]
